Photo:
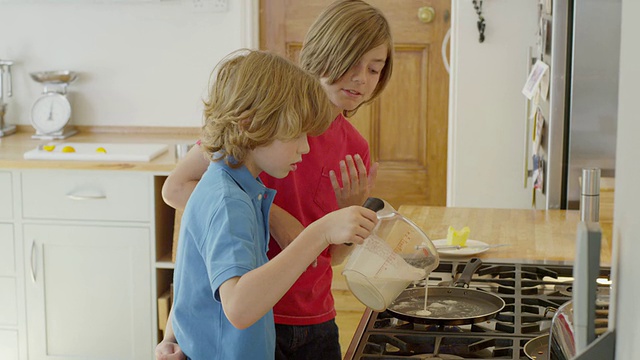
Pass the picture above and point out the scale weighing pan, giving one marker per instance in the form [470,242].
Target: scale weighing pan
[54,77]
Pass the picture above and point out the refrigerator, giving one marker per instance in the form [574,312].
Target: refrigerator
[579,40]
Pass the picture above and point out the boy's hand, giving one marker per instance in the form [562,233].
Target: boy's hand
[167,350]
[356,184]
[348,225]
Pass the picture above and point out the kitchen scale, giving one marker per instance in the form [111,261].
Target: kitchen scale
[51,112]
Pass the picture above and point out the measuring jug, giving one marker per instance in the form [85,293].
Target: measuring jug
[396,253]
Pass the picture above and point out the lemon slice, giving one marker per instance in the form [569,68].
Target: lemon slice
[457,237]
[68,149]
[101,150]
[48,147]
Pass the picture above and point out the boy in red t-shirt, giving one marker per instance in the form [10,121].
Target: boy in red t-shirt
[350,49]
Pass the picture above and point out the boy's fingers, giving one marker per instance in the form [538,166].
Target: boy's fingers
[334,182]
[346,181]
[352,170]
[362,170]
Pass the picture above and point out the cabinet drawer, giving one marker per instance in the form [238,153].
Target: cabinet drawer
[6,199]
[8,302]
[90,195]
[7,251]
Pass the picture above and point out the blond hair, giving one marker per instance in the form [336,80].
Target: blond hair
[257,97]
[340,36]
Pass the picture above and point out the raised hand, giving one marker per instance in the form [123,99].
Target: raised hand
[356,184]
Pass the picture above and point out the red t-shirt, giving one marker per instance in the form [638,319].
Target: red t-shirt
[307,194]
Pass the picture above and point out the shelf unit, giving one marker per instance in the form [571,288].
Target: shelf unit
[163,264]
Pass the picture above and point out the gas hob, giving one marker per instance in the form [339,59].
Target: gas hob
[532,293]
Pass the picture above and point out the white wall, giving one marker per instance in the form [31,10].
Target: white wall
[487,110]
[141,63]
[627,195]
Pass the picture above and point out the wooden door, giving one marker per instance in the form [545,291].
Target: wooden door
[407,126]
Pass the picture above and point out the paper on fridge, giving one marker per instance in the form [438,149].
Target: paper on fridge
[532,86]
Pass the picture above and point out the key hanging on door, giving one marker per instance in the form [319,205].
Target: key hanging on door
[477,5]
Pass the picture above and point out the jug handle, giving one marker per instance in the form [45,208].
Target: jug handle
[374,204]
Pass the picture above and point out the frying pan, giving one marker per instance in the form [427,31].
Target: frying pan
[537,348]
[448,305]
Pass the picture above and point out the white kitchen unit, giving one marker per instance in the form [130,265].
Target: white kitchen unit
[87,240]
[6,198]
[9,345]
[88,291]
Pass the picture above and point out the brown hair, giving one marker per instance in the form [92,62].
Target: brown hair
[340,36]
[257,97]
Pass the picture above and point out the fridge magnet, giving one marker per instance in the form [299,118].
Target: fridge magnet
[540,42]
[547,37]
[538,124]
[531,87]
[539,179]
[539,127]
[538,172]
[536,169]
[544,86]
[548,6]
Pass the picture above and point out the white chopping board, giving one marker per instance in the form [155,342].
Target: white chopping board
[87,152]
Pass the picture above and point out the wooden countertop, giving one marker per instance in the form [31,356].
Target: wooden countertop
[534,236]
[13,147]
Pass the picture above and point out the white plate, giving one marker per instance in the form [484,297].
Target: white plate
[472,247]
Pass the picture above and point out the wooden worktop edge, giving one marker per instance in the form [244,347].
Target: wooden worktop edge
[150,130]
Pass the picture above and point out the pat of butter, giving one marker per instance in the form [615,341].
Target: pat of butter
[458,237]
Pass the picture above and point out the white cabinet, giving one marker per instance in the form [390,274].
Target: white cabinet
[8,299]
[87,240]
[9,345]
[8,295]
[6,198]
[88,292]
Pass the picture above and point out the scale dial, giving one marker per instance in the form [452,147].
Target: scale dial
[50,113]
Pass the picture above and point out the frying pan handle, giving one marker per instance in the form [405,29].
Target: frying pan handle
[467,273]
[374,204]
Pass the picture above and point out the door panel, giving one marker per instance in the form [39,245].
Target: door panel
[407,125]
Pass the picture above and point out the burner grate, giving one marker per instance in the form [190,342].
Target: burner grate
[530,292]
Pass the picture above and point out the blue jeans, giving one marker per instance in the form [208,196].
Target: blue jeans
[308,342]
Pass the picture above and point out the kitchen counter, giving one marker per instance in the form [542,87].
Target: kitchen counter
[13,147]
[533,236]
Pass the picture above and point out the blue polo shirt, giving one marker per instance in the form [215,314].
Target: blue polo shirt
[224,233]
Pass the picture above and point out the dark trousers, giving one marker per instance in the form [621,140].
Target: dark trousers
[308,342]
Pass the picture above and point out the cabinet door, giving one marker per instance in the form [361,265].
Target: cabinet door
[8,344]
[6,200]
[7,251]
[8,295]
[88,292]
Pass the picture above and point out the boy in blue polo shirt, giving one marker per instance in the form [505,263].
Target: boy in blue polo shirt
[259,111]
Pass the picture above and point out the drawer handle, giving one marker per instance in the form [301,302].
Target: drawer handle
[86,197]
[33,263]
